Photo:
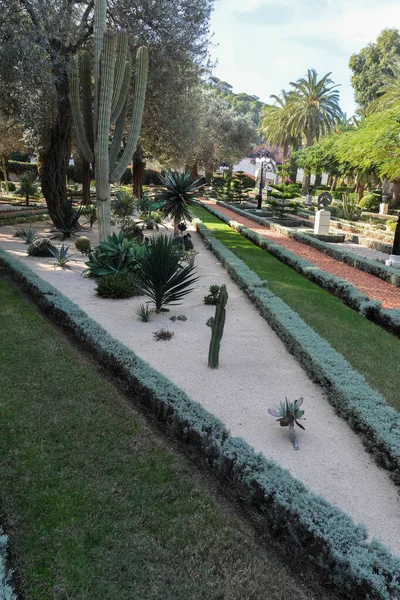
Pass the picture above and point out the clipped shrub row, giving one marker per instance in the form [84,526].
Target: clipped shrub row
[371,309]
[6,591]
[315,529]
[24,219]
[364,408]
[372,267]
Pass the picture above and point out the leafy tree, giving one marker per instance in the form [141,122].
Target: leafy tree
[372,65]
[28,187]
[10,140]
[389,92]
[219,133]
[244,104]
[274,126]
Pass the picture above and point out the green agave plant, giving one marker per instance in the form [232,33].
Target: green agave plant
[178,195]
[289,414]
[116,255]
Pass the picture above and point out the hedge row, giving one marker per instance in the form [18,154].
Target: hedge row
[371,309]
[364,408]
[6,592]
[316,530]
[372,267]
[21,219]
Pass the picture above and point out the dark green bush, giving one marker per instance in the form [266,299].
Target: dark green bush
[41,247]
[370,203]
[126,178]
[151,178]
[116,286]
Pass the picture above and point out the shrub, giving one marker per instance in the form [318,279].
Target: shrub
[124,204]
[370,202]
[116,255]
[152,177]
[116,286]
[160,275]
[126,178]
[41,247]
[213,296]
[83,244]
[11,186]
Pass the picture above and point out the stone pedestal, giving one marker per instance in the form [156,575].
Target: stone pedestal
[308,201]
[394,261]
[383,208]
[321,223]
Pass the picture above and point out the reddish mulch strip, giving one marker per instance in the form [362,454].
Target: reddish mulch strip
[371,286]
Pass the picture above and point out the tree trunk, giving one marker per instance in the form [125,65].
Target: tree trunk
[360,190]
[209,173]
[26,199]
[56,159]
[307,176]
[318,179]
[138,172]
[395,194]
[396,241]
[85,182]
[194,173]
[334,183]
[5,174]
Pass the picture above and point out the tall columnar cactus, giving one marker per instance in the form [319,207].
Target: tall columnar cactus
[93,118]
[217,328]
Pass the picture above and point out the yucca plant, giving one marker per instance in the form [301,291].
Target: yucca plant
[67,221]
[62,257]
[124,204]
[289,414]
[27,235]
[178,195]
[143,312]
[160,275]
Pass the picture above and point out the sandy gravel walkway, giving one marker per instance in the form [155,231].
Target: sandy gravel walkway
[373,287]
[255,373]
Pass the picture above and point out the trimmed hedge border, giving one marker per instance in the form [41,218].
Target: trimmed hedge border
[315,529]
[6,591]
[347,292]
[388,274]
[365,409]
[25,219]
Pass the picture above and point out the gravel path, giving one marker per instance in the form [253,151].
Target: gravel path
[373,287]
[256,372]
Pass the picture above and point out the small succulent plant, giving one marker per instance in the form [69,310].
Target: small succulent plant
[288,414]
[83,244]
[143,312]
[27,235]
[62,257]
[213,296]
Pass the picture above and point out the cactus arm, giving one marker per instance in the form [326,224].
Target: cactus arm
[86,84]
[142,65]
[123,94]
[119,76]
[217,329]
[99,28]
[117,137]
[73,80]
[103,127]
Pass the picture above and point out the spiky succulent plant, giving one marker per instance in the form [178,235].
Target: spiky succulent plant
[288,414]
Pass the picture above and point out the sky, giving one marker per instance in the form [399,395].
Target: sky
[261,45]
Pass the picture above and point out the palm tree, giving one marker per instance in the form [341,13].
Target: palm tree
[27,187]
[177,196]
[389,93]
[312,110]
[273,125]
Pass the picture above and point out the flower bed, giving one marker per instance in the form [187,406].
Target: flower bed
[316,530]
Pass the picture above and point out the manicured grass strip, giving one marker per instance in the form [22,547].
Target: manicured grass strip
[346,291]
[6,590]
[368,348]
[96,506]
[315,530]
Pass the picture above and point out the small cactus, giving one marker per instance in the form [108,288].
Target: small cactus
[83,244]
[288,414]
[217,328]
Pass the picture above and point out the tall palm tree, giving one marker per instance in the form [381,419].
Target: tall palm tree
[389,93]
[312,109]
[273,125]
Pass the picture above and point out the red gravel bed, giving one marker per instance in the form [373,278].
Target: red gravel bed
[371,286]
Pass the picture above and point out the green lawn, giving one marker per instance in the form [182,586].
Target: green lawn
[97,507]
[368,348]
